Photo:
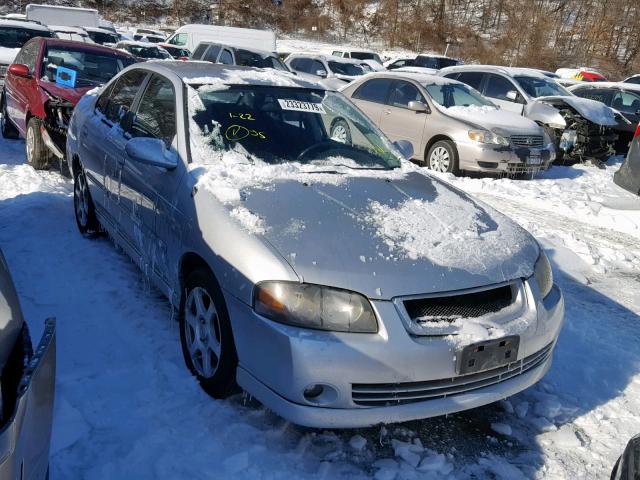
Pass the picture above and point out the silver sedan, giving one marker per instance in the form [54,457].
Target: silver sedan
[337,284]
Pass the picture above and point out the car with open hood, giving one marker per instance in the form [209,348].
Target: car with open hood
[28,385]
[451,127]
[340,285]
[44,83]
[581,128]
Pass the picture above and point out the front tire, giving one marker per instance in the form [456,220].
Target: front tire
[83,206]
[38,155]
[206,337]
[8,129]
[443,157]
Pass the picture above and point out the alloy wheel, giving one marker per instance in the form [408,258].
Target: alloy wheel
[439,160]
[30,144]
[202,332]
[339,134]
[81,199]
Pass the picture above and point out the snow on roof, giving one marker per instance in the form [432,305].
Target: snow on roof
[137,44]
[64,29]
[224,75]
[24,24]
[420,77]
[263,53]
[626,86]
[511,71]
[325,57]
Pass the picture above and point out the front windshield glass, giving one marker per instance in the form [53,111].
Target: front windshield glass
[349,69]
[247,58]
[456,95]
[92,68]
[147,52]
[366,56]
[281,125]
[14,37]
[541,87]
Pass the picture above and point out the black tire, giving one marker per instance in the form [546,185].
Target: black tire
[8,129]
[443,157]
[37,153]
[83,206]
[199,334]
[340,131]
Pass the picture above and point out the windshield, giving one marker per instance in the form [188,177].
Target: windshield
[91,68]
[349,69]
[455,95]
[366,56]
[102,38]
[14,37]
[541,87]
[246,58]
[147,52]
[280,125]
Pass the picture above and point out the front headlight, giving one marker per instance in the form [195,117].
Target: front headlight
[485,136]
[543,275]
[314,306]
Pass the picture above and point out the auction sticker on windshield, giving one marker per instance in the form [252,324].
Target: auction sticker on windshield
[299,106]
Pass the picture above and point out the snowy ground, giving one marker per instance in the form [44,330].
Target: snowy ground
[127,408]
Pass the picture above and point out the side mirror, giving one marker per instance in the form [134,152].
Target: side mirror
[418,107]
[321,73]
[19,70]
[512,95]
[151,151]
[405,148]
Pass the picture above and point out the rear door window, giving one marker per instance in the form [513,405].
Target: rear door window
[498,87]
[376,90]
[123,93]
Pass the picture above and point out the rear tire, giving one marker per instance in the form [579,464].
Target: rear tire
[83,206]
[38,155]
[206,336]
[443,157]
[8,129]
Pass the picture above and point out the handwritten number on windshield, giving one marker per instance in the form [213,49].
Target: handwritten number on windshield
[234,133]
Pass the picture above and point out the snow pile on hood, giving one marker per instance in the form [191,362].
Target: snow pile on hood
[592,110]
[490,117]
[451,231]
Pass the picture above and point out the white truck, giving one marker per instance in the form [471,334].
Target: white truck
[63,16]
[189,36]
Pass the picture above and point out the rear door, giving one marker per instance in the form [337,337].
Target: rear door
[371,97]
[497,88]
[400,123]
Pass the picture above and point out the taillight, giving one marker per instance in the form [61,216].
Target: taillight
[637,134]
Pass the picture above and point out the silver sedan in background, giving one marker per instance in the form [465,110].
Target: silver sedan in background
[336,283]
[451,126]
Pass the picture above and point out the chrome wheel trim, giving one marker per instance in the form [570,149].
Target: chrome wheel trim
[30,144]
[81,199]
[439,160]
[202,332]
[339,133]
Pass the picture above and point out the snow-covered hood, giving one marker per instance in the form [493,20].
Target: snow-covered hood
[502,122]
[387,237]
[592,110]
[8,55]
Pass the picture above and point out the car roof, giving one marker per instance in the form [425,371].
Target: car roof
[24,24]
[625,86]
[65,28]
[422,78]
[264,53]
[84,46]
[100,29]
[325,57]
[197,73]
[137,44]
[509,71]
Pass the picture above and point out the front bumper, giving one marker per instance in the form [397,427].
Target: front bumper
[25,436]
[503,160]
[277,364]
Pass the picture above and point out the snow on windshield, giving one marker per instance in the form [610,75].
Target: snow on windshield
[451,231]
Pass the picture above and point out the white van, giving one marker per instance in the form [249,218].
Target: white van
[189,36]
[63,16]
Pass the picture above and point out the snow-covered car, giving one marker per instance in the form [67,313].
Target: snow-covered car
[232,55]
[622,97]
[340,285]
[581,128]
[327,70]
[13,35]
[148,35]
[144,51]
[451,127]
[358,54]
[28,385]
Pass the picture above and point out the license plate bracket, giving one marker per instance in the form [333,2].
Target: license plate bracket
[487,354]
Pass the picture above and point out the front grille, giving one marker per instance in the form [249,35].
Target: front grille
[531,141]
[387,394]
[468,305]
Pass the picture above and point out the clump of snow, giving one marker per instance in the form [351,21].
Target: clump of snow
[449,231]
[250,221]
[501,428]
[358,442]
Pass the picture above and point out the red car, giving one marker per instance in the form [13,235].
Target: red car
[46,80]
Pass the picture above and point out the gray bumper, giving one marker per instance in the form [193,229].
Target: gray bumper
[277,363]
[25,438]
[503,160]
